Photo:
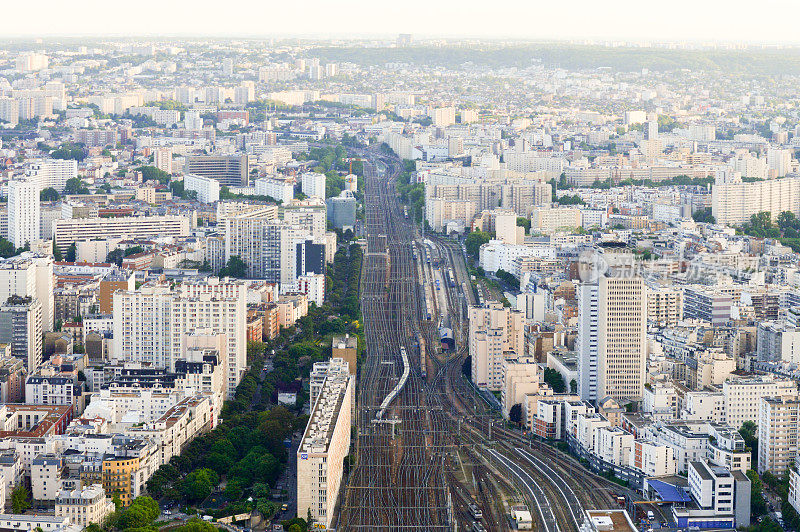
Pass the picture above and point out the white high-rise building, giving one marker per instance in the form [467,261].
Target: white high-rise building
[31,61]
[255,237]
[495,332]
[21,327]
[207,188]
[743,396]
[310,215]
[325,443]
[279,189]
[23,212]
[735,203]
[152,325]
[9,111]
[777,433]
[442,116]
[313,184]
[51,172]
[779,161]
[611,342]
[30,275]
[162,158]
[227,66]
[192,120]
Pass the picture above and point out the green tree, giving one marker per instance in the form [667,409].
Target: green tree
[555,380]
[153,173]
[515,414]
[758,505]
[56,252]
[266,508]
[571,200]
[235,267]
[573,386]
[141,513]
[197,525]
[72,251]
[48,194]
[20,499]
[509,278]
[75,186]
[475,240]
[760,225]
[524,222]
[198,484]
[787,219]
[749,433]
[704,216]
[7,249]
[69,151]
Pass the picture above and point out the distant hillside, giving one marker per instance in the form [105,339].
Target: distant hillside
[575,57]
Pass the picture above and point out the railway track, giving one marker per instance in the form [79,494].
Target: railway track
[398,482]
[403,477]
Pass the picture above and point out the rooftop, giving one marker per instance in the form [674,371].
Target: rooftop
[611,520]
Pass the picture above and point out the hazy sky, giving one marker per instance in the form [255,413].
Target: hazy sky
[698,20]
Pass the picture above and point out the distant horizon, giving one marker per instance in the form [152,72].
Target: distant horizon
[417,39]
[709,22]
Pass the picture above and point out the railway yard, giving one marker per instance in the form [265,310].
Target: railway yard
[429,449]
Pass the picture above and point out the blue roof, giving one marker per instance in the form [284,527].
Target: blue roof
[668,492]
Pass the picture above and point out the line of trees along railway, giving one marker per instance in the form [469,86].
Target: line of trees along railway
[246,452]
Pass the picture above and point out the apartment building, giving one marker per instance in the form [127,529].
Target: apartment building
[30,523]
[52,390]
[611,342]
[231,171]
[553,219]
[313,184]
[207,189]
[735,203]
[45,477]
[325,443]
[309,215]
[178,426]
[495,333]
[12,377]
[469,196]
[21,326]
[279,189]
[664,306]
[652,459]
[777,433]
[152,325]
[68,232]
[346,348]
[520,377]
[743,396]
[23,212]
[721,495]
[777,342]
[256,237]
[708,304]
[51,173]
[9,111]
[30,275]
[441,213]
[85,505]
